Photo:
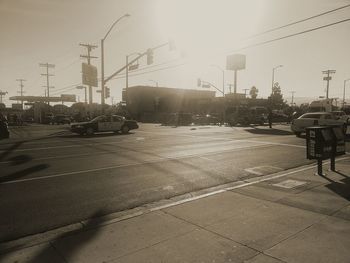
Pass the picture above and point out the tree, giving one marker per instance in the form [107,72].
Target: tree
[276,98]
[253,92]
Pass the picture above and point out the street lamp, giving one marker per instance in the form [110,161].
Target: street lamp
[83,87]
[344,91]
[273,76]
[223,78]
[102,59]
[156,82]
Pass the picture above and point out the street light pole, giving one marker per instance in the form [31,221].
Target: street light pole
[344,92]
[102,59]
[273,76]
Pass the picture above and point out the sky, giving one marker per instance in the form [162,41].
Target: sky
[205,32]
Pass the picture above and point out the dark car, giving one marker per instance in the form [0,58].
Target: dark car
[61,119]
[104,123]
[4,131]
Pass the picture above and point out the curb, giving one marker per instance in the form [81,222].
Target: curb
[112,218]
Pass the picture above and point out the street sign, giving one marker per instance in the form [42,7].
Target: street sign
[68,97]
[327,78]
[89,75]
[235,62]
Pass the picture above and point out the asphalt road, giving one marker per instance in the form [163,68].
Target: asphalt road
[51,181]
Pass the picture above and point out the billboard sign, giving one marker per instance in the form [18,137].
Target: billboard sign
[235,62]
[89,75]
[68,97]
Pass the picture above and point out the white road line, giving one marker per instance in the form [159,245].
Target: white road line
[125,165]
[233,140]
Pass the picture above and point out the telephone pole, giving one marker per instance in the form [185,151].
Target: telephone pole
[327,78]
[47,66]
[88,57]
[292,97]
[21,87]
[2,93]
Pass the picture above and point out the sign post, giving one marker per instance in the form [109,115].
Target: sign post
[235,62]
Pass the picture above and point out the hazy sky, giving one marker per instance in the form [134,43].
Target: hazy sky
[205,32]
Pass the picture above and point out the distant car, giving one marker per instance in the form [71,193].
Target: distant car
[4,131]
[280,117]
[315,119]
[61,119]
[104,123]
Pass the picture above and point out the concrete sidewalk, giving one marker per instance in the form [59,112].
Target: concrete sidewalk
[292,216]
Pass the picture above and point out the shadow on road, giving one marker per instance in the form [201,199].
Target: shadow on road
[268,131]
[23,173]
[86,234]
[340,188]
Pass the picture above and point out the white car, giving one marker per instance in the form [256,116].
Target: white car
[316,119]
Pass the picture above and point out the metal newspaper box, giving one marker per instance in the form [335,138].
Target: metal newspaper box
[319,143]
[338,145]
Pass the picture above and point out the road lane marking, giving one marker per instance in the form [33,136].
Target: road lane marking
[231,139]
[126,165]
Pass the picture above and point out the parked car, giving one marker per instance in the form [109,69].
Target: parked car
[104,123]
[207,119]
[61,119]
[280,117]
[316,119]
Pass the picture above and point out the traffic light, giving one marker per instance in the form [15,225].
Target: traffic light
[199,82]
[149,56]
[107,92]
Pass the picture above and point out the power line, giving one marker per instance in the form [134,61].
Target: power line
[299,21]
[292,35]
[246,47]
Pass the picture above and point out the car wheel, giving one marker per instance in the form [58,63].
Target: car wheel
[89,131]
[125,129]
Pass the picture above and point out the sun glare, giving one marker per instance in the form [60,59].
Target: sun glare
[203,28]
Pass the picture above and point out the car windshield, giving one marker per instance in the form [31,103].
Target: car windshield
[97,119]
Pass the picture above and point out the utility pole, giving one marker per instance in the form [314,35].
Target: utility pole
[2,93]
[245,92]
[328,78]
[88,57]
[47,66]
[344,92]
[21,87]
[292,97]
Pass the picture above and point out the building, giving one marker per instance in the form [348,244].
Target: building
[151,104]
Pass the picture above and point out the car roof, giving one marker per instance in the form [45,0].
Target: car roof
[315,113]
